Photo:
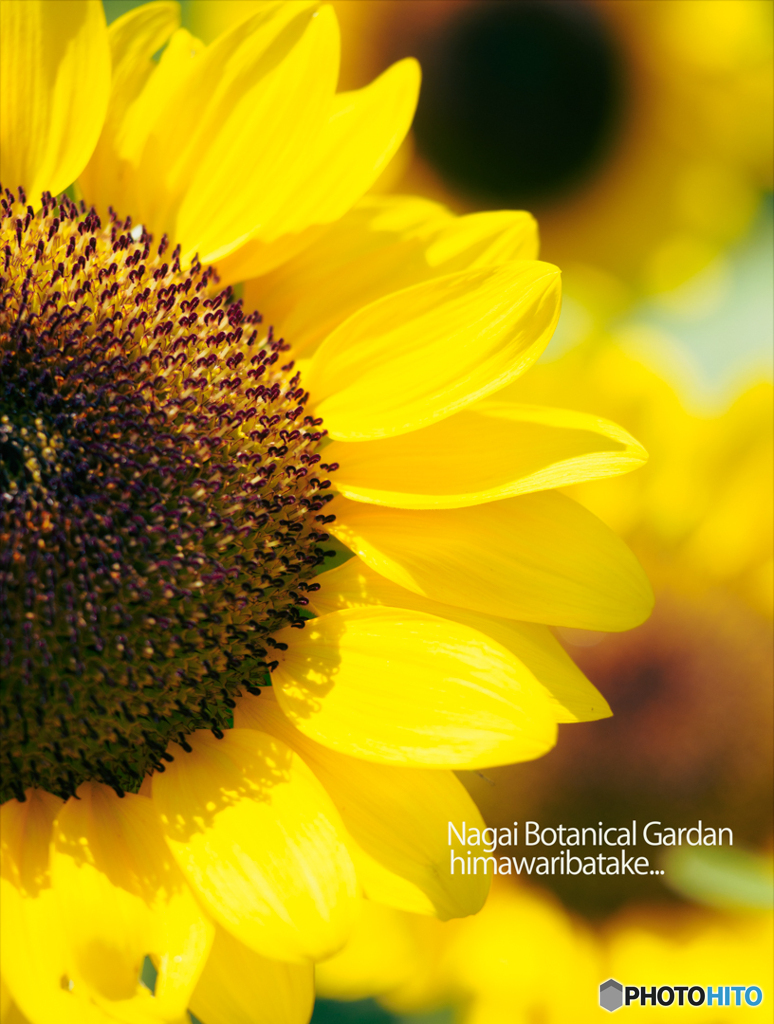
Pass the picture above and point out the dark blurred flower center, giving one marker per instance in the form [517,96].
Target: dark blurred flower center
[519,99]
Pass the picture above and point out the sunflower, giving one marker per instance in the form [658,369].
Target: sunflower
[213,748]
[639,133]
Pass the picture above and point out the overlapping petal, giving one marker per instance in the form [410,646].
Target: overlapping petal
[538,557]
[241,987]
[397,818]
[54,88]
[381,955]
[230,193]
[187,141]
[5,1001]
[240,149]
[261,843]
[362,133]
[33,956]
[495,450]
[573,698]
[122,897]
[108,178]
[384,244]
[421,354]
[398,687]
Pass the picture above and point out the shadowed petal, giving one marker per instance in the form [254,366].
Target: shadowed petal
[260,842]
[241,987]
[421,354]
[573,698]
[399,687]
[397,818]
[122,898]
[539,557]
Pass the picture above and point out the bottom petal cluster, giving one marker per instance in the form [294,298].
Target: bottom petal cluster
[224,879]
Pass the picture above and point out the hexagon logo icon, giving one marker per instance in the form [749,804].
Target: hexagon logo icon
[611,995]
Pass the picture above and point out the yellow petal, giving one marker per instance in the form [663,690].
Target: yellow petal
[123,898]
[496,450]
[381,955]
[362,133]
[194,104]
[54,88]
[539,557]
[230,146]
[423,353]
[134,39]
[208,20]
[485,239]
[177,62]
[376,248]
[241,987]
[397,687]
[572,696]
[510,951]
[260,842]
[33,957]
[13,1015]
[397,818]
[254,256]
[5,1001]
[383,244]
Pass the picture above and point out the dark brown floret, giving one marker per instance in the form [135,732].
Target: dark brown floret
[160,500]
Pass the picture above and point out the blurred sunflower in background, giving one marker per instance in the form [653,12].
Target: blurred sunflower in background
[177,832]
[639,133]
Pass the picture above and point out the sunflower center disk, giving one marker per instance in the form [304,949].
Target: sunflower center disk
[161,500]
